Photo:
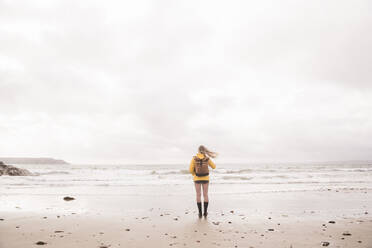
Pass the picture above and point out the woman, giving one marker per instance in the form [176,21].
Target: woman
[199,168]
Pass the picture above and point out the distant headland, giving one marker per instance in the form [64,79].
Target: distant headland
[32,161]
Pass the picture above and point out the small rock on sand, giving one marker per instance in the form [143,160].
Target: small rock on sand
[346,233]
[325,243]
[332,222]
[127,229]
[41,243]
[270,229]
[68,198]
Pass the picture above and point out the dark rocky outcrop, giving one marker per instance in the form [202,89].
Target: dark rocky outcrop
[13,171]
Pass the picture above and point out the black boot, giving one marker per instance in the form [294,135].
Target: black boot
[200,209]
[205,209]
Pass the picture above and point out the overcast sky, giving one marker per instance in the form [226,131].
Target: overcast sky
[149,81]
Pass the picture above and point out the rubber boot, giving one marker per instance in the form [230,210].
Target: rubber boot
[200,209]
[205,209]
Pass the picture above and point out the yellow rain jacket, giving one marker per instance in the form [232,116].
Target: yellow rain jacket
[192,167]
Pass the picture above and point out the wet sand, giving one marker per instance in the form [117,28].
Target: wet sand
[333,218]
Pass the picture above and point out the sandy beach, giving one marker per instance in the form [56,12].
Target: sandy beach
[164,216]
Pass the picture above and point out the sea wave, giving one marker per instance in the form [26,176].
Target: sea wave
[51,173]
[172,172]
[236,178]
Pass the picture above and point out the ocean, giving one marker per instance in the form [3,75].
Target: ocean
[235,178]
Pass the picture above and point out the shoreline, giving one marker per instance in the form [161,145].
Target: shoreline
[300,219]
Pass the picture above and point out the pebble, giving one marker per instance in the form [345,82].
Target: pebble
[68,198]
[127,229]
[271,229]
[332,222]
[41,243]
[325,243]
[346,234]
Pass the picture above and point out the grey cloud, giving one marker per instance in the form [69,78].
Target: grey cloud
[94,81]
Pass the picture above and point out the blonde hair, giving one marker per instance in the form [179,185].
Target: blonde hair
[203,150]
